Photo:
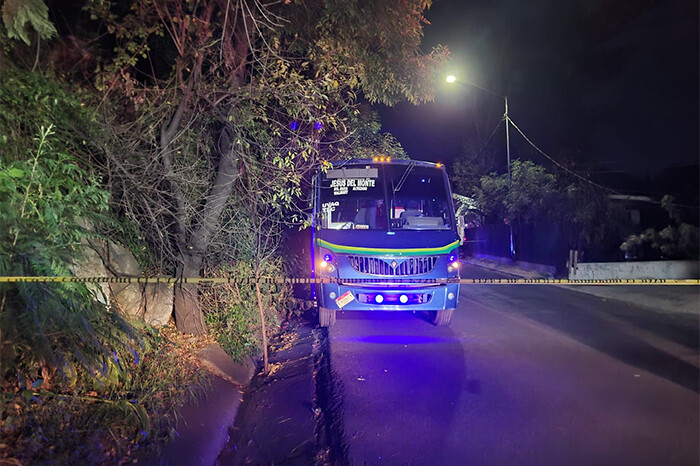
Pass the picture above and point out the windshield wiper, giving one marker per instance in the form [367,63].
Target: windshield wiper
[404,177]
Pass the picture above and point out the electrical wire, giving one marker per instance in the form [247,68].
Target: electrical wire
[483,147]
[576,174]
[557,163]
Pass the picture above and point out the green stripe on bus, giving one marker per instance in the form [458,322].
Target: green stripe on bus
[339,248]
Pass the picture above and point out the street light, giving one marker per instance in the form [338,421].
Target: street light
[451,79]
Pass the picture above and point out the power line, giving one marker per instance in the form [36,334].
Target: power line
[483,147]
[576,174]
[557,163]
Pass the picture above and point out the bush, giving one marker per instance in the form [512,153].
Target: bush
[231,311]
[95,423]
[79,384]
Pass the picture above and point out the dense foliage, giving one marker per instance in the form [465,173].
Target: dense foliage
[191,130]
[678,240]
[78,384]
[535,195]
[47,199]
[223,109]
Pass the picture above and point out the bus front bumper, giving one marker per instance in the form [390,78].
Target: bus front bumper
[388,298]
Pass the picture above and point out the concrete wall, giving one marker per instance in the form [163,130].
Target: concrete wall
[544,269]
[622,270]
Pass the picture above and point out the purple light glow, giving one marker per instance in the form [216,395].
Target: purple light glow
[398,339]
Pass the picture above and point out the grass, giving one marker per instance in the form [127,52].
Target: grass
[90,422]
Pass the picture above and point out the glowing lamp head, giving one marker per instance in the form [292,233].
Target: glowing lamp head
[451,79]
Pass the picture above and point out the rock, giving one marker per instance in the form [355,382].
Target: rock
[127,296]
[90,264]
[153,302]
[122,261]
[158,301]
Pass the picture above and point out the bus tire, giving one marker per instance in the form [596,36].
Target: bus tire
[326,317]
[443,318]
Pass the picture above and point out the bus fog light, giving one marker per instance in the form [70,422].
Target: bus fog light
[450,296]
[332,295]
[379,299]
[403,298]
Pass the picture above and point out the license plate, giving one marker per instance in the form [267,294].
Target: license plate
[344,299]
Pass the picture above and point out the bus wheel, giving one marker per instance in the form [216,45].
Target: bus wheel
[326,317]
[443,318]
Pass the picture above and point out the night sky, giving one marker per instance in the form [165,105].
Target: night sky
[610,85]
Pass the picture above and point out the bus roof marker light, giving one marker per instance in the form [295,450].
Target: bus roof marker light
[403,299]
[379,299]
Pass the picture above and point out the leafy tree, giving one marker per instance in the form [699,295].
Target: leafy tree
[212,95]
[476,160]
[533,195]
[22,16]
[529,196]
[678,240]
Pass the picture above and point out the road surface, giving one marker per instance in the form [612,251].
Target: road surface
[537,375]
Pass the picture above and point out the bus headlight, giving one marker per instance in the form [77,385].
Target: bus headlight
[453,262]
[326,265]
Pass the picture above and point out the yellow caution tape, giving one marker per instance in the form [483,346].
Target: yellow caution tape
[367,281]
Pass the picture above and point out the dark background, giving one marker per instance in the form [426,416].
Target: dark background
[609,88]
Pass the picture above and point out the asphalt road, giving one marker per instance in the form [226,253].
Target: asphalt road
[525,375]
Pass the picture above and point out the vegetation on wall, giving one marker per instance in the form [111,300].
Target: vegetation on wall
[678,240]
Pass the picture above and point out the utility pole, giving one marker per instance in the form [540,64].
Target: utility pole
[510,224]
[452,79]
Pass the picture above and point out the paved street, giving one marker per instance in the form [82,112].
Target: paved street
[524,375]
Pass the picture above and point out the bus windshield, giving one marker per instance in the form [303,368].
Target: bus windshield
[384,196]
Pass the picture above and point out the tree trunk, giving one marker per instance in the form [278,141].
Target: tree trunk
[261,309]
[188,313]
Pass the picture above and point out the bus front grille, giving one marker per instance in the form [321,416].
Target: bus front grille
[393,267]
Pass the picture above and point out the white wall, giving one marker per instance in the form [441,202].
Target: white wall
[622,270]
